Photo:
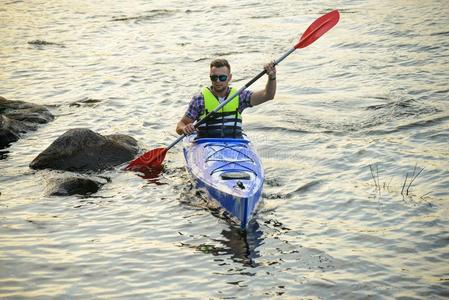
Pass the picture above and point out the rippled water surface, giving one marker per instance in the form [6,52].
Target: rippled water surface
[372,92]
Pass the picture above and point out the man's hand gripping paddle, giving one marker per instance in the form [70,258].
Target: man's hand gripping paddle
[153,159]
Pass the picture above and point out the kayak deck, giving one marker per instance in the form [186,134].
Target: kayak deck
[229,170]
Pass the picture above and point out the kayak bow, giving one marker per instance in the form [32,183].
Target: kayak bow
[230,172]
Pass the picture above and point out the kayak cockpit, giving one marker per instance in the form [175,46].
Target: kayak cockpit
[235,176]
[229,170]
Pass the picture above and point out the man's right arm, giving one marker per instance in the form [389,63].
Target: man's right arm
[185,126]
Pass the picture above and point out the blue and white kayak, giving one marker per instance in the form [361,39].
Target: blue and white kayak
[230,172]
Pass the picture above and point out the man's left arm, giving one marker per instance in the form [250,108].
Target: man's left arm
[268,93]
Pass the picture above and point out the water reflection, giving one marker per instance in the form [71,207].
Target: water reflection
[241,246]
[3,154]
[152,175]
[342,104]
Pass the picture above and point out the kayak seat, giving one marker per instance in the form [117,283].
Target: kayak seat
[235,176]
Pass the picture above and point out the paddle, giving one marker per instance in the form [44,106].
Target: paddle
[155,157]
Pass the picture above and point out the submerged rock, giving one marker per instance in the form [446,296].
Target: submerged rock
[44,43]
[85,102]
[18,117]
[9,131]
[74,185]
[84,150]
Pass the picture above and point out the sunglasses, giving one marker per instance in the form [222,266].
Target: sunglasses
[218,77]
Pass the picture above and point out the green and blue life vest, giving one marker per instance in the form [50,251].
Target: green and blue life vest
[225,123]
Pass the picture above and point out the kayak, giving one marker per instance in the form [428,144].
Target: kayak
[230,172]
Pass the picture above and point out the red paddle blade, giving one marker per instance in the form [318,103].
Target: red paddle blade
[151,159]
[319,27]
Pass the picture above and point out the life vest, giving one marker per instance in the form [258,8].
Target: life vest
[225,123]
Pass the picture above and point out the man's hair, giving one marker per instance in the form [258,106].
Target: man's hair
[220,62]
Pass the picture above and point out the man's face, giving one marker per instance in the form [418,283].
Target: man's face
[217,75]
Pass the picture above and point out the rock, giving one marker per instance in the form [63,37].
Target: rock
[9,131]
[84,150]
[85,102]
[41,43]
[18,117]
[25,111]
[74,185]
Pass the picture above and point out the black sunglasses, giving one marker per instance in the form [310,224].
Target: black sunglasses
[218,77]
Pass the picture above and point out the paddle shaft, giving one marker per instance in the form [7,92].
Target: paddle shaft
[249,83]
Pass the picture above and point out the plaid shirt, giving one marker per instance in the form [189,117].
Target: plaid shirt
[196,105]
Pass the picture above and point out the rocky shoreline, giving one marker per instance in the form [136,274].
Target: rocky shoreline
[81,152]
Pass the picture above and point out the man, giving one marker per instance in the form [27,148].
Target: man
[226,122]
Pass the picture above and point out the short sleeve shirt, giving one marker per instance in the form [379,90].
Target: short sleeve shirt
[196,105]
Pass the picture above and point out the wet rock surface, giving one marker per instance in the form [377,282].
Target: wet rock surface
[19,117]
[84,150]
[73,185]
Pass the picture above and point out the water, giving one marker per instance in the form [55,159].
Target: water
[371,92]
